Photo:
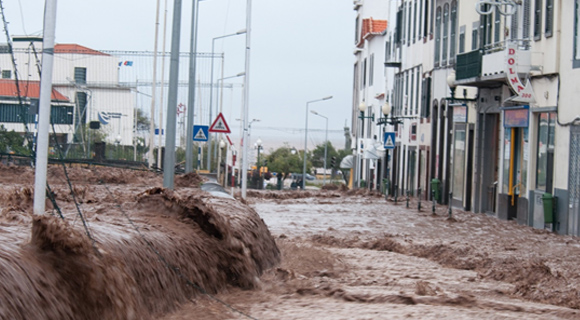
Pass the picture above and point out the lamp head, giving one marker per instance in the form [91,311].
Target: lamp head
[362,107]
[313,112]
[327,98]
[386,108]
[222,144]
[259,142]
[451,80]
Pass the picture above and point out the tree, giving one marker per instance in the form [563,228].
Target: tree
[12,142]
[318,155]
[143,122]
[282,160]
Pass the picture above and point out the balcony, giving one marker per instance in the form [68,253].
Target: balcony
[487,66]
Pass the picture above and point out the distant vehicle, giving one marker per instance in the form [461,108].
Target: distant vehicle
[298,176]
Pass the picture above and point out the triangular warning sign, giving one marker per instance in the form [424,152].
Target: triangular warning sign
[200,135]
[220,125]
[389,142]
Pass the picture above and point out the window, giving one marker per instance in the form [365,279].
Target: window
[538,20]
[81,114]
[6,74]
[420,19]
[80,75]
[576,63]
[371,69]
[485,27]
[14,113]
[445,33]
[406,97]
[364,74]
[403,23]
[415,22]
[545,149]
[453,32]
[474,35]
[412,93]
[409,22]
[526,19]
[425,98]
[437,36]
[462,39]
[514,24]
[417,96]
[549,18]
[356,30]
[399,29]
[426,20]
[497,26]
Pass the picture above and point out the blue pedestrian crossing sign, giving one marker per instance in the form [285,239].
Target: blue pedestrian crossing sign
[389,140]
[200,133]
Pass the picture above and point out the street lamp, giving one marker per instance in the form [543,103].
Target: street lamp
[306,139]
[325,142]
[258,146]
[243,31]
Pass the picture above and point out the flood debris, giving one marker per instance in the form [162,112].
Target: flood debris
[150,250]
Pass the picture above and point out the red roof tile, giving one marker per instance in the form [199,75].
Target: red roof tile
[30,89]
[371,28]
[75,48]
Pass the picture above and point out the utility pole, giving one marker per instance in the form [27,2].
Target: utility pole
[150,157]
[44,106]
[169,163]
[246,99]
[191,91]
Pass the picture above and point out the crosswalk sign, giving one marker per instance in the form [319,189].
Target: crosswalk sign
[200,133]
[220,125]
[389,140]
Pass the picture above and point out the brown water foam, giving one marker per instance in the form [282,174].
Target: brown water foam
[54,272]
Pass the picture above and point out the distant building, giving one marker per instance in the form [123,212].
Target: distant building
[86,89]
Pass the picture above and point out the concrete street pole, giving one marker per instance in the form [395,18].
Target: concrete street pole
[44,107]
[191,92]
[325,143]
[246,99]
[150,157]
[306,140]
[169,163]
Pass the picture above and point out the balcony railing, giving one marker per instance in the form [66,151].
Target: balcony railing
[490,61]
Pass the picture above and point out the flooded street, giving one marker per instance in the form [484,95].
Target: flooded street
[359,257]
[140,252]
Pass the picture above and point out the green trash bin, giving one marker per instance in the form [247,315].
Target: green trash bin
[548,201]
[435,189]
[386,186]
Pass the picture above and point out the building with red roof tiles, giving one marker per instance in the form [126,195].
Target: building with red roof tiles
[85,83]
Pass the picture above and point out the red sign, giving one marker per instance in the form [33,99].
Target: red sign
[220,125]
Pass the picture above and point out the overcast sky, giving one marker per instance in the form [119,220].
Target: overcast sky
[301,50]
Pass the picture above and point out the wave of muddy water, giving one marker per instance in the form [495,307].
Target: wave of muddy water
[356,256]
[50,269]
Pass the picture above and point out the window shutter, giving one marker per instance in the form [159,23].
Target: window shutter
[526,19]
[538,20]
[549,18]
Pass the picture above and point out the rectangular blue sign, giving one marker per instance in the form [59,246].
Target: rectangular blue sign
[389,141]
[200,133]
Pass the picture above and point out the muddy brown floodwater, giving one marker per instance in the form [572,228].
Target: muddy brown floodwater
[332,254]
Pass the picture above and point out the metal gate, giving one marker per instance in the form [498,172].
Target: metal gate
[574,182]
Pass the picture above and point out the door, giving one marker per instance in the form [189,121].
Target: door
[515,167]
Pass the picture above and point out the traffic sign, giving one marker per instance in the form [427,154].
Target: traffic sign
[389,140]
[220,125]
[200,133]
